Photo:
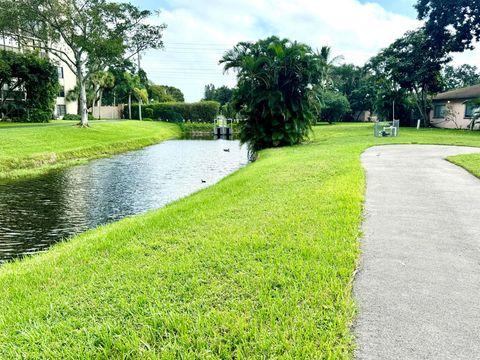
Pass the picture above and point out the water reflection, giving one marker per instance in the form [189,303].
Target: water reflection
[36,213]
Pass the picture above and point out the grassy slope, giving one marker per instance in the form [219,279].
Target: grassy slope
[30,151]
[258,266]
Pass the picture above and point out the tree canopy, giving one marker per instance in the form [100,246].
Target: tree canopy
[460,76]
[409,64]
[275,78]
[452,25]
[356,84]
[165,93]
[223,94]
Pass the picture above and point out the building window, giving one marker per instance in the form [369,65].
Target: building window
[439,111]
[61,92]
[60,72]
[470,109]
[61,110]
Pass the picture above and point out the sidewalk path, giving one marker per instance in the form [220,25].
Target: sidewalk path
[418,286]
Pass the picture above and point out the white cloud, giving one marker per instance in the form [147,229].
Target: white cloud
[199,32]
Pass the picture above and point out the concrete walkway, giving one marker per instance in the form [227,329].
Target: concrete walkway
[418,287]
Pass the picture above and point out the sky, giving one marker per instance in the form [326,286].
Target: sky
[199,32]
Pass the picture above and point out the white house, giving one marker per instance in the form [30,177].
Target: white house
[66,77]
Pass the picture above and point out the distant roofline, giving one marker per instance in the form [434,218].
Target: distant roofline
[470,92]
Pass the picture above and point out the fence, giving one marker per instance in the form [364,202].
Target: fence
[108,112]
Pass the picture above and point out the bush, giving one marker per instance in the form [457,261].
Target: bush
[77,117]
[41,116]
[72,117]
[148,112]
[203,111]
[168,115]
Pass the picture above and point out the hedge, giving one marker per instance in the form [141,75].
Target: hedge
[204,111]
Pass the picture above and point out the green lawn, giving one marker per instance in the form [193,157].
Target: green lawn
[17,124]
[258,266]
[469,162]
[29,151]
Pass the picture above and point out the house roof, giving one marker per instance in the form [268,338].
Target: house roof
[470,92]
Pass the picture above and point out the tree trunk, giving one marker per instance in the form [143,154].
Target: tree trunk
[100,103]
[421,106]
[83,101]
[140,109]
[130,106]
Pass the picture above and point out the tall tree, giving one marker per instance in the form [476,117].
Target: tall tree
[87,35]
[461,76]
[223,94]
[452,25]
[275,78]
[388,99]
[133,86]
[354,82]
[118,94]
[174,92]
[158,93]
[329,63]
[415,67]
[164,93]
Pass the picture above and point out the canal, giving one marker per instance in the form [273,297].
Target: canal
[36,213]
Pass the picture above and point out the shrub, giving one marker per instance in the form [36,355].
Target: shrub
[38,79]
[40,116]
[148,112]
[203,111]
[72,117]
[168,115]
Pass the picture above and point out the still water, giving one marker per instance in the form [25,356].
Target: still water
[34,214]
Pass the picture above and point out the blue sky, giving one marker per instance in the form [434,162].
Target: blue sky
[199,32]
[404,7]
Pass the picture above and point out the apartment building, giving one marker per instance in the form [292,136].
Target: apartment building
[66,77]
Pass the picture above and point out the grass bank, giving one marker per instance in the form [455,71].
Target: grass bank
[31,151]
[469,162]
[257,266]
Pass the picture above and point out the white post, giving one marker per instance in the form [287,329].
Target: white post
[418,124]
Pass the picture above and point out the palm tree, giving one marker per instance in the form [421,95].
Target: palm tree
[133,83]
[328,64]
[275,78]
[102,80]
